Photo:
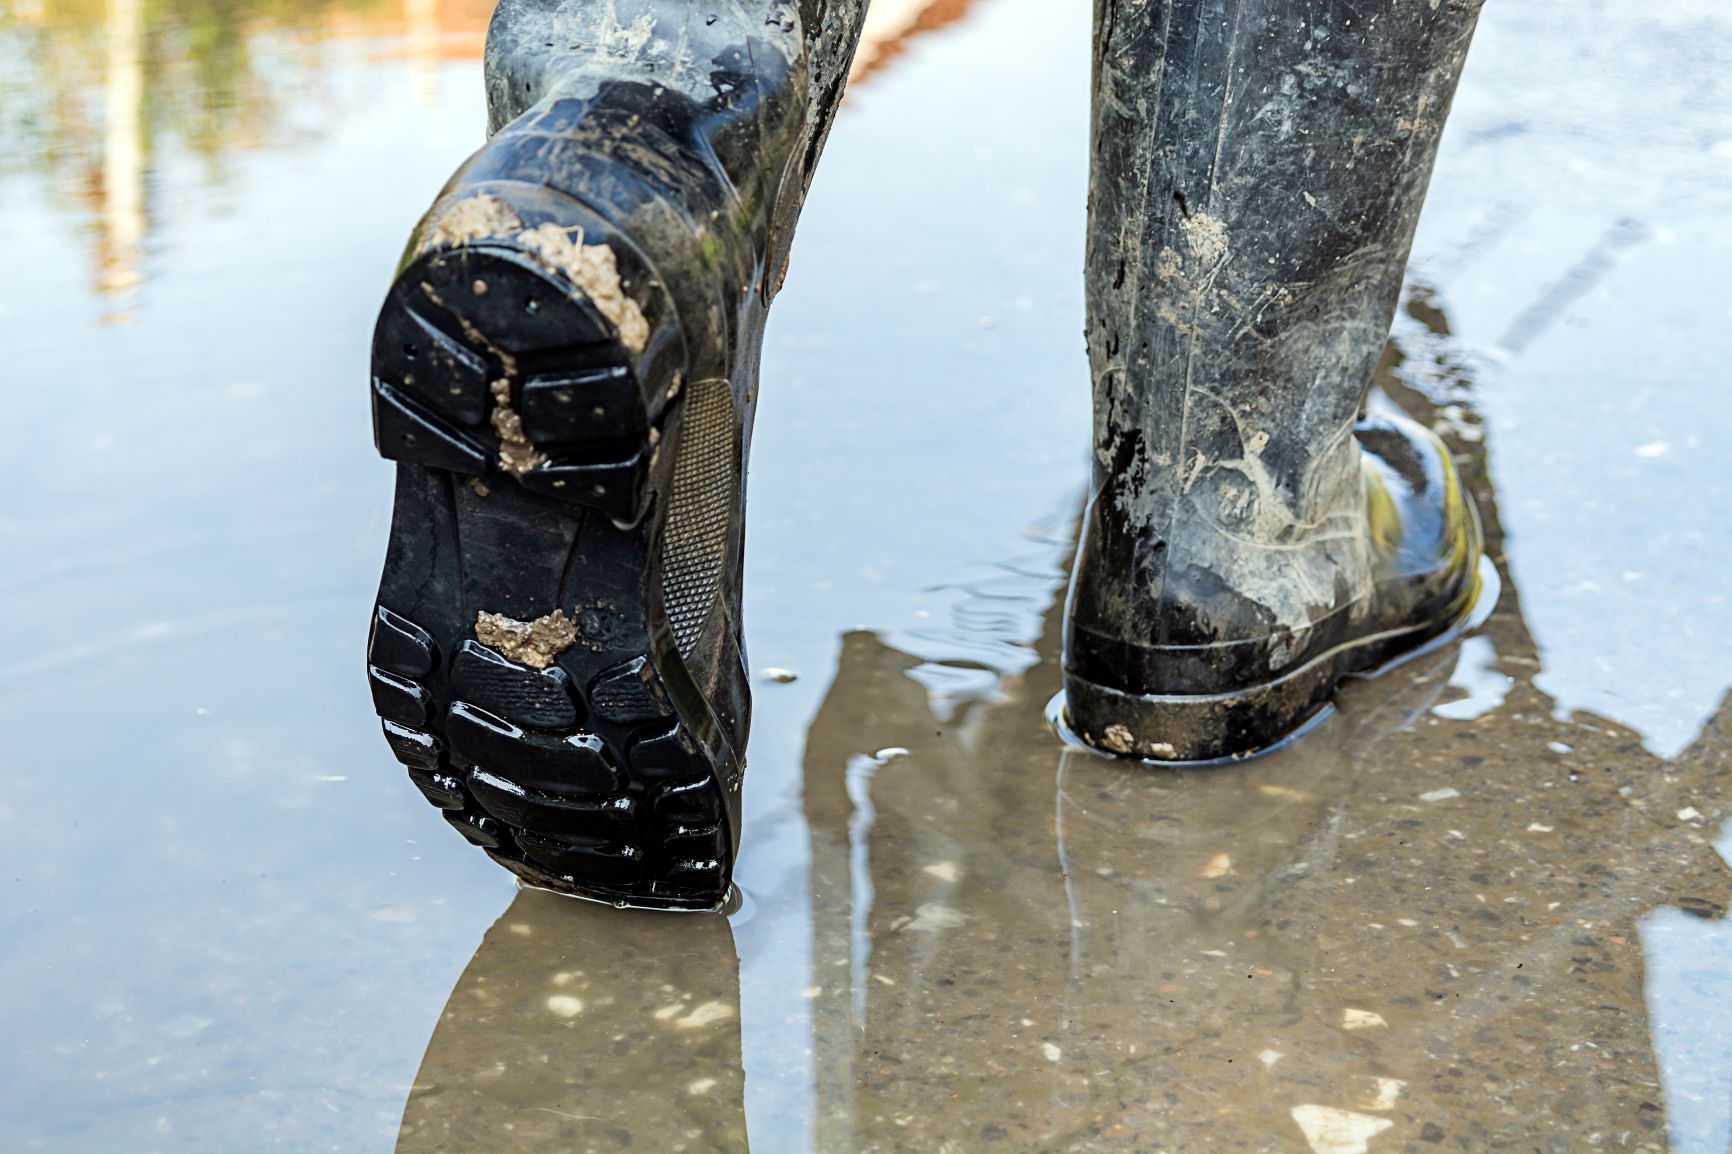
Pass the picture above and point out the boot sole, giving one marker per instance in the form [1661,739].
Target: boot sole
[585,758]
[1196,730]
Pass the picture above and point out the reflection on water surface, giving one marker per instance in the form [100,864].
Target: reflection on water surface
[1404,920]
[99,95]
[1480,906]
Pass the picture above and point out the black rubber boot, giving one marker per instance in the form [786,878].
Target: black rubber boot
[565,370]
[1259,166]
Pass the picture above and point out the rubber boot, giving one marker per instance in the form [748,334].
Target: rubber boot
[1258,168]
[565,370]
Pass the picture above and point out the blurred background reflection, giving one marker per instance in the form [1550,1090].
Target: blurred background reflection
[1482,905]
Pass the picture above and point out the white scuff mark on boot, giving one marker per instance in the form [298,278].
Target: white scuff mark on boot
[1117,739]
[1171,303]
[1280,110]
[478,217]
[1361,1019]
[1319,525]
[1257,500]
[1331,1130]
[627,40]
[1418,120]
[534,643]
[517,453]
[1192,472]
[1384,1093]
[1206,238]
[593,269]
[1237,501]
[1190,270]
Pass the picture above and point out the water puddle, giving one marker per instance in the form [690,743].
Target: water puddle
[1480,906]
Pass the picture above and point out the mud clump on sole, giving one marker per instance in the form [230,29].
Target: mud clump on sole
[517,453]
[473,218]
[593,269]
[534,643]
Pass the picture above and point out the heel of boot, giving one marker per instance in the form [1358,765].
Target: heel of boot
[1196,730]
[525,340]
[1247,722]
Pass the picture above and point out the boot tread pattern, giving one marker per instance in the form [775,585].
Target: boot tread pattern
[582,776]
[558,802]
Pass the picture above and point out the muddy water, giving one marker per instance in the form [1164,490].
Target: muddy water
[1480,908]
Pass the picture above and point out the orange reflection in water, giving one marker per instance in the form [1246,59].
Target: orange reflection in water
[106,87]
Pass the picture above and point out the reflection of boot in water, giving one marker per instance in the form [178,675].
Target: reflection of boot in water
[1617,834]
[1405,925]
[565,370]
[576,1028]
[1258,172]
[984,980]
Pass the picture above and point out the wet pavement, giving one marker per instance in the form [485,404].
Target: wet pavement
[1481,908]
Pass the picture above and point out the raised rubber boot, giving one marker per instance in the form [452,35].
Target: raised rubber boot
[565,370]
[1258,168]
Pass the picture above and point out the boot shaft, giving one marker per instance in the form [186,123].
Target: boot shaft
[1258,168]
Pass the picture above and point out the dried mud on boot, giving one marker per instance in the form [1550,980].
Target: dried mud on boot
[564,372]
